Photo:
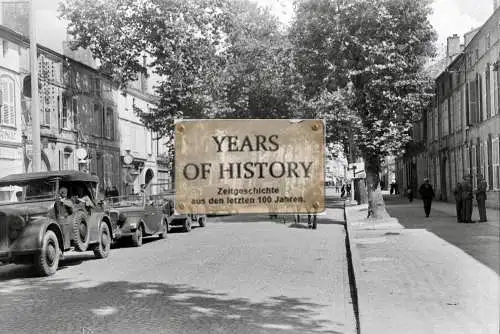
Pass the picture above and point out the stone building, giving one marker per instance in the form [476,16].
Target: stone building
[144,157]
[77,112]
[11,122]
[461,134]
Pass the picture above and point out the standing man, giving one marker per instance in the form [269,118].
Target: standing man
[459,202]
[482,186]
[467,197]
[427,193]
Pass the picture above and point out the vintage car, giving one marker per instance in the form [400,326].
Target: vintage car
[177,219]
[136,216]
[53,212]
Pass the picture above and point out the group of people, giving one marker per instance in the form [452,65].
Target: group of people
[464,195]
[345,190]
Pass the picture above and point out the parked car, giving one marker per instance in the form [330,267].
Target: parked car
[53,212]
[137,216]
[174,218]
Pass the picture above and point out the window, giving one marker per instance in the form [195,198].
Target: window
[8,104]
[496,162]
[65,159]
[488,41]
[479,98]
[444,118]
[490,161]
[109,123]
[97,86]
[67,112]
[97,120]
[85,83]
[109,168]
[488,91]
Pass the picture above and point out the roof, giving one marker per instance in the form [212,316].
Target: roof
[64,175]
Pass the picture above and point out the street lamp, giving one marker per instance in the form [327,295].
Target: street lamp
[35,113]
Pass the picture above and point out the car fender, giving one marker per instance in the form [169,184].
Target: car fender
[94,224]
[31,238]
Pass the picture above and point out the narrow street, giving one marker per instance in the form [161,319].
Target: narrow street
[259,276]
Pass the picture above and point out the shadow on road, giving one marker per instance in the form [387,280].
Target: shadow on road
[49,305]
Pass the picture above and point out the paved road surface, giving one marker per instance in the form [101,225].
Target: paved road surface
[253,277]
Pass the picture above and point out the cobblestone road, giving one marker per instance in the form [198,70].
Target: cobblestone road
[230,277]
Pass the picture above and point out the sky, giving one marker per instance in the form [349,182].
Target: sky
[449,17]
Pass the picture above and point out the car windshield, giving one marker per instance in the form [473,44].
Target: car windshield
[37,190]
[32,192]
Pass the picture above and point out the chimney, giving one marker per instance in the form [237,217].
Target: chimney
[452,47]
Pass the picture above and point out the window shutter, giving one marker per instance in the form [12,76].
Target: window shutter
[61,160]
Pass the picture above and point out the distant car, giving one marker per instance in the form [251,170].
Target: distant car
[41,225]
[174,218]
[137,216]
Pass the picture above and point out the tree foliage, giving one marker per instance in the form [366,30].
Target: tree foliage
[373,51]
[215,58]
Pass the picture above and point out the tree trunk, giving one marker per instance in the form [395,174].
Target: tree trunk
[360,194]
[376,205]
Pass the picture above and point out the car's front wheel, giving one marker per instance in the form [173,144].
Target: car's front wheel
[164,226]
[187,225]
[47,260]
[101,250]
[81,231]
[137,237]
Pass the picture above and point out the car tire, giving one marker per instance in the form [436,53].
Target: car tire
[202,221]
[101,250]
[165,227]
[187,225]
[47,259]
[137,237]
[81,232]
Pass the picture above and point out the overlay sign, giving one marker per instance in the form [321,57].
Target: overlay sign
[249,166]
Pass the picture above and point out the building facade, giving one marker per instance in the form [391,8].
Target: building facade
[461,134]
[144,162]
[11,142]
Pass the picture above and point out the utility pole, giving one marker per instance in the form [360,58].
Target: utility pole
[35,111]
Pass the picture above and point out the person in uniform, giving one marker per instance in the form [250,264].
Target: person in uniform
[467,197]
[481,197]
[459,202]
[427,193]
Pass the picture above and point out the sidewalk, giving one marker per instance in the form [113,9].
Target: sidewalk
[412,281]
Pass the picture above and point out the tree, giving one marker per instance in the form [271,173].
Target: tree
[258,75]
[181,40]
[374,51]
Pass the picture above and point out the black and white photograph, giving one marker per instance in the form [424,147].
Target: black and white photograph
[249,166]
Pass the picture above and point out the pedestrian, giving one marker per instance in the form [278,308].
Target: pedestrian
[342,191]
[348,189]
[382,185]
[482,186]
[459,203]
[467,196]
[427,193]
[393,187]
